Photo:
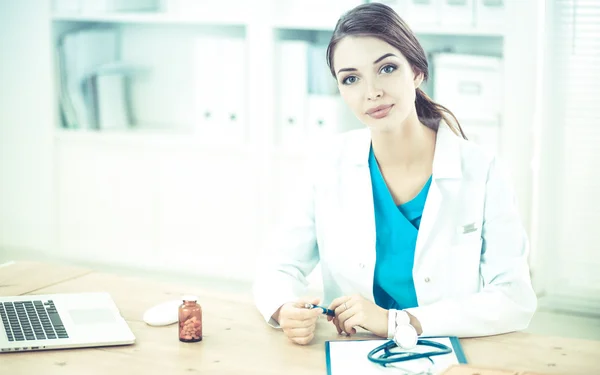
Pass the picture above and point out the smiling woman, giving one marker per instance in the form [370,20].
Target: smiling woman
[379,29]
[416,228]
[364,84]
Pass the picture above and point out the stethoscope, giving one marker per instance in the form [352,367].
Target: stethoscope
[389,357]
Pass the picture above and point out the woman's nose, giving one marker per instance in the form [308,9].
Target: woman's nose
[374,92]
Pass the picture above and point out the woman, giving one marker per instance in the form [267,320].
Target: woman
[414,226]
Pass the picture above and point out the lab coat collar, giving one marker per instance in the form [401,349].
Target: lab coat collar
[446,158]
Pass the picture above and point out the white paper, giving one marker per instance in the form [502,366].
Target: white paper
[350,357]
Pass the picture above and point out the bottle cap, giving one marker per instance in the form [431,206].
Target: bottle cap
[189,298]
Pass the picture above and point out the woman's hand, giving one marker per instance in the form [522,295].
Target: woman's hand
[298,323]
[356,311]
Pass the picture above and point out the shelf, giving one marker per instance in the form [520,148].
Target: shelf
[460,31]
[427,30]
[152,138]
[228,20]
[490,32]
[312,26]
[152,18]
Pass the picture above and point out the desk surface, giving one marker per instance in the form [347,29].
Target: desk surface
[235,338]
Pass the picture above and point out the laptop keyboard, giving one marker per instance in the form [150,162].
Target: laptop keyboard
[32,320]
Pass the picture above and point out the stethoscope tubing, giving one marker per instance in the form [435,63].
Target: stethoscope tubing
[387,357]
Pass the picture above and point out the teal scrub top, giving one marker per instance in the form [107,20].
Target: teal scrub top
[396,228]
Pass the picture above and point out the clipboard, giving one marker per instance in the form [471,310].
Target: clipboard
[350,356]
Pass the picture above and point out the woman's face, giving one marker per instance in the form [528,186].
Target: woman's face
[376,82]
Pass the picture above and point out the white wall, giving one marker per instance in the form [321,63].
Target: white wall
[520,83]
[26,120]
[567,135]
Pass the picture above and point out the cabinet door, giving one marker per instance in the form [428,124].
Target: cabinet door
[106,195]
[209,212]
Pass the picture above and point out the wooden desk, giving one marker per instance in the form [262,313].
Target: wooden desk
[236,339]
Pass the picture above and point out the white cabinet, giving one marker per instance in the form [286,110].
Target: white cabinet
[106,195]
[208,212]
[471,87]
[153,202]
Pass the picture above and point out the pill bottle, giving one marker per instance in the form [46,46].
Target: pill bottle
[190,320]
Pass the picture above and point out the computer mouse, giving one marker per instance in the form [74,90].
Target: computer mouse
[163,314]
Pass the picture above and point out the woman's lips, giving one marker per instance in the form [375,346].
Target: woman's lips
[380,112]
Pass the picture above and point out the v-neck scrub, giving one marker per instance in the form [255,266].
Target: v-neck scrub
[396,232]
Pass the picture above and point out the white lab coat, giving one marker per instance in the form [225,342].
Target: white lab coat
[468,282]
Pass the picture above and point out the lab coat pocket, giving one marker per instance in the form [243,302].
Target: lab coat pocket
[465,266]
[468,241]
[467,233]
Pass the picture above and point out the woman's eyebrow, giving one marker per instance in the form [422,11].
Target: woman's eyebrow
[383,57]
[346,70]
[374,62]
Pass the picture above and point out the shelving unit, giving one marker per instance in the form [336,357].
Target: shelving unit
[162,192]
[224,19]
[150,139]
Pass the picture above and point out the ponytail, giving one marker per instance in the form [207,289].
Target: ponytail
[430,113]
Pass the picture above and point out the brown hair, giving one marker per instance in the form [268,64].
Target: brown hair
[382,22]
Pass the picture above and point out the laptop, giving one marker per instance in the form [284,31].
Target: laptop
[60,321]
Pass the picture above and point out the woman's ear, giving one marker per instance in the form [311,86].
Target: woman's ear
[418,79]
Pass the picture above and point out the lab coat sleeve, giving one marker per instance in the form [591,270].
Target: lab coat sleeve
[507,301]
[291,255]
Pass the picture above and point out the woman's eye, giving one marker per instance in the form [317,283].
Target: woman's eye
[388,69]
[349,80]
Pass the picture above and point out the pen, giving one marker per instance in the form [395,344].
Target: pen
[326,311]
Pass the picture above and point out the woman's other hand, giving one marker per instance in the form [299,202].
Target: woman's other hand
[356,311]
[298,323]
